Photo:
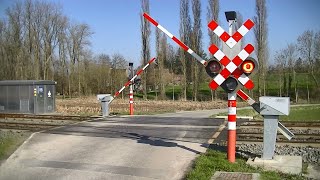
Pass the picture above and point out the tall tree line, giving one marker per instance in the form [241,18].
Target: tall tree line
[261,43]
[213,14]
[145,38]
[191,34]
[37,41]
[297,66]
[185,32]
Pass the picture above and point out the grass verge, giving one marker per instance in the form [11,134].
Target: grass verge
[297,113]
[211,161]
[10,141]
[310,113]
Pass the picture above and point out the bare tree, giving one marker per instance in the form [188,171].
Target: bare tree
[185,30]
[261,43]
[158,60]
[238,25]
[306,46]
[281,62]
[196,44]
[37,41]
[285,59]
[119,67]
[145,36]
[62,50]
[161,63]
[291,56]
[78,39]
[213,14]
[317,49]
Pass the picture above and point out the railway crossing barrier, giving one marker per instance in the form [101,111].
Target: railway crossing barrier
[227,71]
[106,99]
[233,70]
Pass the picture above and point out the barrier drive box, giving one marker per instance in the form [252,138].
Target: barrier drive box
[27,96]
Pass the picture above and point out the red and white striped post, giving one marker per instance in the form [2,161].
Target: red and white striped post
[131,88]
[231,68]
[131,99]
[232,135]
[133,78]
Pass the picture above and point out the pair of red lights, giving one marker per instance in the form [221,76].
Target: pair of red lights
[214,67]
[230,84]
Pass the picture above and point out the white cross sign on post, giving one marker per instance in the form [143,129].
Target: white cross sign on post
[231,67]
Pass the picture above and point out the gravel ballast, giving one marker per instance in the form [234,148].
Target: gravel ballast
[309,154]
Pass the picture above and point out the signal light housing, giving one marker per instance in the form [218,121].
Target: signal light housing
[230,84]
[213,68]
[248,66]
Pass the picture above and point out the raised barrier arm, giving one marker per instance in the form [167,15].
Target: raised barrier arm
[133,78]
[176,40]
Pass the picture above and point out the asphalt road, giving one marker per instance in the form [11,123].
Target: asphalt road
[146,147]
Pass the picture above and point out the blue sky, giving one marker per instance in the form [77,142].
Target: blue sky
[116,23]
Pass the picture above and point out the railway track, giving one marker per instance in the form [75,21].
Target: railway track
[297,124]
[37,122]
[51,117]
[306,133]
[26,126]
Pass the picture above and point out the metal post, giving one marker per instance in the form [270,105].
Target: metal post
[105,108]
[270,126]
[131,99]
[232,116]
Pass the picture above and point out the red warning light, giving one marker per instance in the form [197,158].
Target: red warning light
[247,66]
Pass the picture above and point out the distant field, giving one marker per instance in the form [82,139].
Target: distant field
[90,106]
[311,113]
[297,113]
[303,83]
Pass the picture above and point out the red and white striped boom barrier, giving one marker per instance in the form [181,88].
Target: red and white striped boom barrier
[176,40]
[133,78]
[255,105]
[231,69]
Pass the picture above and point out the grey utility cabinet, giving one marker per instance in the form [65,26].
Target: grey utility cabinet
[27,96]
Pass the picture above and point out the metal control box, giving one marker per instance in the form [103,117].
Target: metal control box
[105,99]
[27,96]
[274,105]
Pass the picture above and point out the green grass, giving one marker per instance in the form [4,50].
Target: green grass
[211,161]
[308,113]
[297,113]
[243,112]
[10,141]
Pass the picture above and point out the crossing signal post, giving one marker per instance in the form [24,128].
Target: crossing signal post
[225,72]
[133,79]
[233,72]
